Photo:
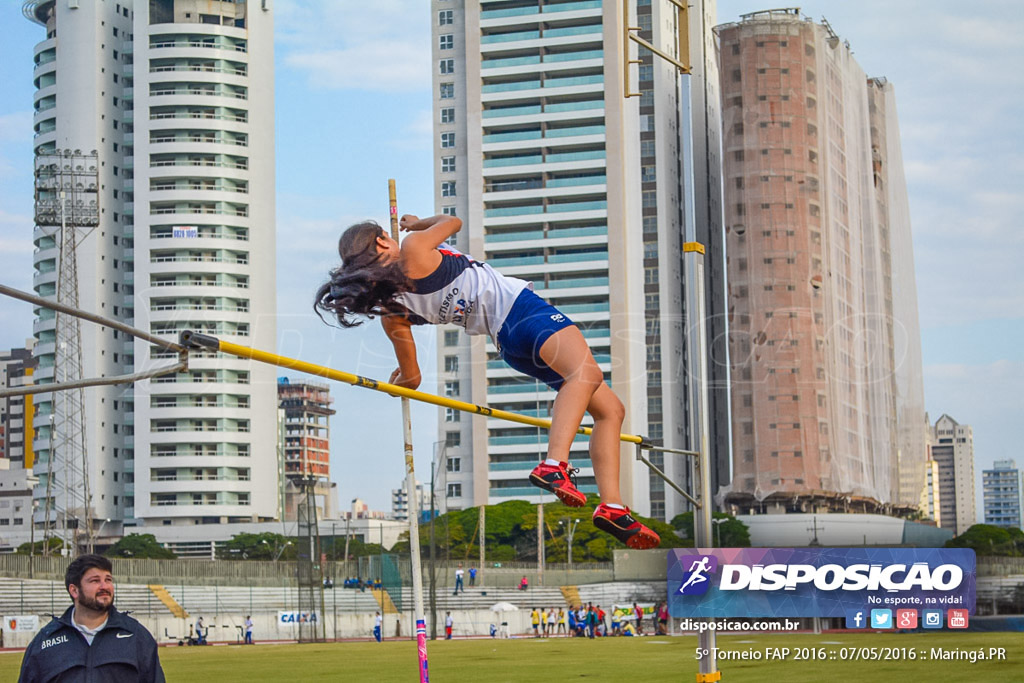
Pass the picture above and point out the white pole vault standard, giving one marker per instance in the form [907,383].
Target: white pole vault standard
[697,344]
[410,495]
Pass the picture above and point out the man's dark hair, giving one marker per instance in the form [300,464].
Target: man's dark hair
[83,563]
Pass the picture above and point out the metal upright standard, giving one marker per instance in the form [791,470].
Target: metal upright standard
[693,262]
[410,495]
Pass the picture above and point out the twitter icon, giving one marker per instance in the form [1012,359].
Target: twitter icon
[881,618]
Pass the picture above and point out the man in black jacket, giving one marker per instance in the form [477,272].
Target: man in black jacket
[91,641]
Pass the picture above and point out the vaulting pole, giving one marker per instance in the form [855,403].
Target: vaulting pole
[410,495]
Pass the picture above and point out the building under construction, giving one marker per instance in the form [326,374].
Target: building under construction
[827,394]
[306,408]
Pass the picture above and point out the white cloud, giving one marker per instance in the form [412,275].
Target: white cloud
[341,45]
[418,134]
[382,66]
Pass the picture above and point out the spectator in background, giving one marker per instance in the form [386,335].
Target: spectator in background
[472,577]
[200,631]
[638,612]
[663,619]
[449,624]
[602,627]
[248,630]
[458,580]
[378,627]
[572,621]
[91,641]
[561,621]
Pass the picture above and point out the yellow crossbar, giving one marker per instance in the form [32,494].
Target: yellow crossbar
[194,339]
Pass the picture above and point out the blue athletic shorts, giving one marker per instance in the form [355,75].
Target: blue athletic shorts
[527,326]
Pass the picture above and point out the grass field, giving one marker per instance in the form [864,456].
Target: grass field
[611,659]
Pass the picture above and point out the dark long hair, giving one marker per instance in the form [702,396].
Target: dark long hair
[362,285]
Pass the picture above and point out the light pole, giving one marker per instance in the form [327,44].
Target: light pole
[718,533]
[570,531]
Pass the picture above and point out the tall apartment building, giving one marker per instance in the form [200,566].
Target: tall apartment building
[176,97]
[17,368]
[16,457]
[827,391]
[931,497]
[562,181]
[400,501]
[1002,488]
[953,450]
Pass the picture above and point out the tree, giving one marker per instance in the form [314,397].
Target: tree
[511,534]
[986,539]
[55,546]
[140,546]
[731,533]
[265,546]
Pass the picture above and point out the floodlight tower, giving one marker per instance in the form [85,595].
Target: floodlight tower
[67,207]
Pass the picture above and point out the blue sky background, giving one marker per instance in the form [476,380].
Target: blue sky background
[354,108]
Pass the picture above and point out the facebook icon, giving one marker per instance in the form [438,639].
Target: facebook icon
[855,618]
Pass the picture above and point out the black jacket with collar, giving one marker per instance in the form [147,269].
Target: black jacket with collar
[123,651]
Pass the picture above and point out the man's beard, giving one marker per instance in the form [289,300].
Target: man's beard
[94,603]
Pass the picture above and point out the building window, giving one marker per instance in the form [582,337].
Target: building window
[448,210]
[649,199]
[447,164]
[648,174]
[446,42]
[451,337]
[448,115]
[452,415]
[451,389]
[445,17]
[448,189]
[454,465]
[447,66]
[447,140]
[455,490]
[452,439]
[447,91]
[451,363]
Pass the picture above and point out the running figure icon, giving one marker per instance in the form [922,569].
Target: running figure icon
[697,571]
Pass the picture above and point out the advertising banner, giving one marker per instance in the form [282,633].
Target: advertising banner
[25,622]
[294,618]
[822,582]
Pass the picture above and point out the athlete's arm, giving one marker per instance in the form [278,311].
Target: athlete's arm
[399,331]
[419,250]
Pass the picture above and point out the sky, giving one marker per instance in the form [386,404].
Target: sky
[353,109]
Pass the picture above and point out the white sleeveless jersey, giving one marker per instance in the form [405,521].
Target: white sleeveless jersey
[463,292]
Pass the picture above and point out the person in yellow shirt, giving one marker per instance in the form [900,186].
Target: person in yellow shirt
[535,620]
[562,625]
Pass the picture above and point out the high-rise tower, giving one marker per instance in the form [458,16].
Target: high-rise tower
[827,392]
[176,97]
[563,181]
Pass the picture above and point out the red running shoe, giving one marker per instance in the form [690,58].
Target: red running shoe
[561,481]
[621,525]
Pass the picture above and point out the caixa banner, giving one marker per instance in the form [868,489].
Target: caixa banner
[817,582]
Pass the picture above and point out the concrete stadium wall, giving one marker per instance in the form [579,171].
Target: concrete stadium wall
[225,629]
